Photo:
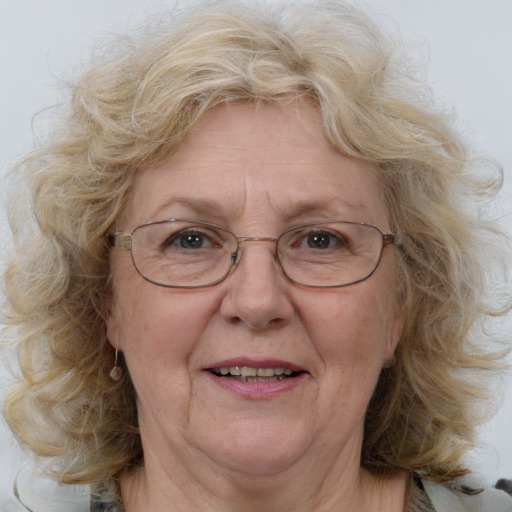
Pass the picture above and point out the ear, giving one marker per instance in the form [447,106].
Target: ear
[113,326]
[395,332]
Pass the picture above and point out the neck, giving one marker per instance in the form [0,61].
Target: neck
[339,487]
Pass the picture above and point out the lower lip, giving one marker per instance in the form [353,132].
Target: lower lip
[258,390]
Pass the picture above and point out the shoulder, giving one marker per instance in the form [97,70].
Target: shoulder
[444,499]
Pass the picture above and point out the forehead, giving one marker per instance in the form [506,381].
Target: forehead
[257,159]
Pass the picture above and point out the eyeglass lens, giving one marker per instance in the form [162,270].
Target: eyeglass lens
[186,254]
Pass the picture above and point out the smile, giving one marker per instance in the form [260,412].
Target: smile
[251,374]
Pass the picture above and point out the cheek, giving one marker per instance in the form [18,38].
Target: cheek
[350,327]
[157,337]
[158,326]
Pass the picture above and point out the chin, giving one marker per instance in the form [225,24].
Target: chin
[257,449]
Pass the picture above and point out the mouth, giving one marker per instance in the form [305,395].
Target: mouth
[255,374]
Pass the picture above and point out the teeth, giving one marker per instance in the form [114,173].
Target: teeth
[250,374]
[258,379]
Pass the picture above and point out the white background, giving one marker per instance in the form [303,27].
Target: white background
[466,44]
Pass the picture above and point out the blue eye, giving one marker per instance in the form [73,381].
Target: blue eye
[325,240]
[188,239]
[191,240]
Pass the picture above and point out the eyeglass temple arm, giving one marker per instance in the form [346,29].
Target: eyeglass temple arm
[120,241]
[392,238]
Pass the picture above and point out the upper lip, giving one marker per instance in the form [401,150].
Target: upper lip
[255,363]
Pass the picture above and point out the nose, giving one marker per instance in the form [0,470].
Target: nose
[257,290]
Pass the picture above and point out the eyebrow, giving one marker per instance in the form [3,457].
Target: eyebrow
[201,206]
[332,207]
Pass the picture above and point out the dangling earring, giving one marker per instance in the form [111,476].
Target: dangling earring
[116,373]
[389,363]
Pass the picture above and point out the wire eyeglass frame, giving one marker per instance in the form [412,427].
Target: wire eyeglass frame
[126,241]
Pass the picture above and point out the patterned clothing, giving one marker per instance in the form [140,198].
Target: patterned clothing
[427,496]
[104,498]
[423,496]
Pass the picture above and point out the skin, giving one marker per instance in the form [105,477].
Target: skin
[255,169]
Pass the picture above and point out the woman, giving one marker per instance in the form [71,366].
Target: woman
[254,275]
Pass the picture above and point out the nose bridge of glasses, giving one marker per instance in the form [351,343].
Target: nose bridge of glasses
[241,239]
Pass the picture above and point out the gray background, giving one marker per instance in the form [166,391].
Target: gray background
[466,44]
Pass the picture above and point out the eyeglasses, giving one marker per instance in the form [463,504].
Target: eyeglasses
[183,253]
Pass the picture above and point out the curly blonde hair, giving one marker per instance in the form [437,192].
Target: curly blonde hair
[140,97]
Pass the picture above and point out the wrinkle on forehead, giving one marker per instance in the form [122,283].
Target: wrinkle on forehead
[250,160]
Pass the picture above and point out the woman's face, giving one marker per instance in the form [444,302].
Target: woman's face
[257,170]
